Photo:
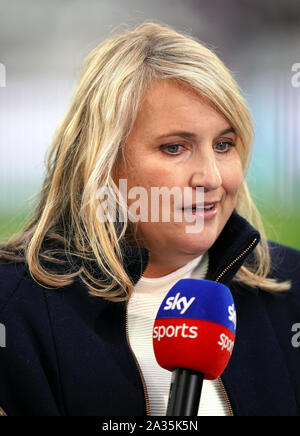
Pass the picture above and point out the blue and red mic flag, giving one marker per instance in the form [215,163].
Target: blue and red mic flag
[195,328]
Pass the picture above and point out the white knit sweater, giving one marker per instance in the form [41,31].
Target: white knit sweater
[142,309]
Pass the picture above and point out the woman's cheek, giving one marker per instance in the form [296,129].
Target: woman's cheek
[232,176]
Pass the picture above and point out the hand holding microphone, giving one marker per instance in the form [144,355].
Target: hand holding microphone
[193,336]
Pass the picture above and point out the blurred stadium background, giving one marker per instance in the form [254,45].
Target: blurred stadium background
[43,45]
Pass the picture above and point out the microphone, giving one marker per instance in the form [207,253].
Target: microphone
[193,337]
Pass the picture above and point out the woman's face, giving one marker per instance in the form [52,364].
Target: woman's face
[178,140]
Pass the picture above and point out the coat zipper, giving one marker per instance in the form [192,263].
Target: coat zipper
[219,379]
[221,384]
[235,260]
[225,395]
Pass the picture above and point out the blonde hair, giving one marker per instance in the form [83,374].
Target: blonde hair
[85,148]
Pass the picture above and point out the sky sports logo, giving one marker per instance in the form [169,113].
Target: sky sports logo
[232,315]
[191,332]
[182,304]
[171,331]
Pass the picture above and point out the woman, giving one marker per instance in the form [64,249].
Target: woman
[79,293]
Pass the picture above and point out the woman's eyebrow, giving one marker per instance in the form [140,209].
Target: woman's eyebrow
[191,135]
[228,130]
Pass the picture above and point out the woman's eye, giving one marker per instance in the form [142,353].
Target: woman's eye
[172,149]
[225,146]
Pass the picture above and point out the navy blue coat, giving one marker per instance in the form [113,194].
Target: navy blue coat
[67,352]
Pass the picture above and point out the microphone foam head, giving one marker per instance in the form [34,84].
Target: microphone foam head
[195,327]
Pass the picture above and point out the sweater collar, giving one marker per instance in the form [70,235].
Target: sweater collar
[234,245]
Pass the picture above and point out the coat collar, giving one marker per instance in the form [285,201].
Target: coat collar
[234,245]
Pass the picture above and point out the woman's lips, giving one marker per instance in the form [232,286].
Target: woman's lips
[207,213]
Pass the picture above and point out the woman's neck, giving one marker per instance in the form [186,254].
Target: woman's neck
[160,268]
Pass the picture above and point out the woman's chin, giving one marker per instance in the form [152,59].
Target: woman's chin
[194,244]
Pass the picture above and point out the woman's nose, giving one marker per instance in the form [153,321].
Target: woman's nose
[206,173]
